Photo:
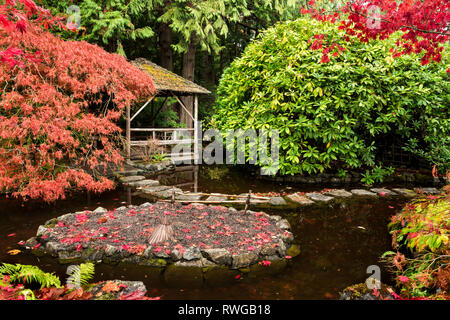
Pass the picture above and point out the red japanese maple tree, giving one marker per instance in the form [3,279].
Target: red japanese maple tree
[59,105]
[425,24]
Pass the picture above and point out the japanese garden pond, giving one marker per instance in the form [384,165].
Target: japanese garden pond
[338,241]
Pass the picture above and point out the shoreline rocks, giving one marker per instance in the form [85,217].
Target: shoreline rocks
[293,200]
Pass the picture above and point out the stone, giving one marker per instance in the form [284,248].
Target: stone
[159,263]
[129,172]
[100,210]
[189,197]
[144,205]
[53,248]
[148,253]
[131,179]
[198,205]
[383,192]
[51,223]
[219,256]
[430,191]
[41,230]
[161,254]
[217,197]
[65,257]
[136,288]
[31,243]
[287,237]
[363,193]
[243,260]
[405,192]
[319,197]
[300,199]
[293,251]
[268,251]
[66,217]
[92,254]
[362,292]
[335,180]
[144,183]
[281,249]
[176,255]
[167,193]
[277,201]
[206,263]
[155,189]
[110,250]
[339,193]
[150,167]
[276,218]
[192,253]
[283,224]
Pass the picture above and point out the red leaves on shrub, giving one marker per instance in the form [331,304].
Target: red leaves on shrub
[58,115]
[424,24]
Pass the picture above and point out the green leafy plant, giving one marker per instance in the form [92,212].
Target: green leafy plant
[421,237]
[159,157]
[82,274]
[333,115]
[217,173]
[28,274]
[342,173]
[377,174]
[13,279]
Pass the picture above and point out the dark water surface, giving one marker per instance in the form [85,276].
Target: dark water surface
[338,241]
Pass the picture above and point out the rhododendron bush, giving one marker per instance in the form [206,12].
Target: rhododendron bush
[59,104]
[338,114]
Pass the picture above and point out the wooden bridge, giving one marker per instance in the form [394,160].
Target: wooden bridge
[168,84]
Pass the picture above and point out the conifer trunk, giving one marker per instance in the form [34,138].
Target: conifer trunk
[188,73]
[165,46]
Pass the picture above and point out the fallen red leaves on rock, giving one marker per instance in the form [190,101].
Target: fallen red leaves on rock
[194,226]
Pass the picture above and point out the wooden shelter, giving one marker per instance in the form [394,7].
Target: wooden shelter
[168,84]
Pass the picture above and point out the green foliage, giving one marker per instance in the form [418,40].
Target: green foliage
[167,118]
[159,157]
[29,274]
[116,23]
[331,115]
[207,21]
[110,23]
[377,174]
[424,225]
[216,172]
[82,274]
[421,231]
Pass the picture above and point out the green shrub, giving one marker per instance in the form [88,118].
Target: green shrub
[332,115]
[421,233]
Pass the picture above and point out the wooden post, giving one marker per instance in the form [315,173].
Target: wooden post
[196,179]
[196,131]
[128,132]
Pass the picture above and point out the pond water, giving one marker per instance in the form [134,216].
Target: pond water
[338,241]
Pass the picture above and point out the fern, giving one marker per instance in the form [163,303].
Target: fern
[28,274]
[80,275]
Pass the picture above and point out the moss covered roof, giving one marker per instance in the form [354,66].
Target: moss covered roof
[167,81]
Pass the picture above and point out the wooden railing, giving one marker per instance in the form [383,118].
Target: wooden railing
[168,137]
